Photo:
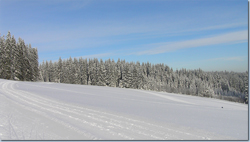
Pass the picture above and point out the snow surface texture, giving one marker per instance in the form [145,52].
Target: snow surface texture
[51,111]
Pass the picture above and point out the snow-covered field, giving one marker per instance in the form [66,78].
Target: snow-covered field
[51,111]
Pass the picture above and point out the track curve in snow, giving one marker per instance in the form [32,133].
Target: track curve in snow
[51,111]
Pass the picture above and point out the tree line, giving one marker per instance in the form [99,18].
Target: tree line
[230,86]
[18,61]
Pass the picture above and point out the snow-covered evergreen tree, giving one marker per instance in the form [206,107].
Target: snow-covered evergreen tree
[64,77]
[21,66]
[110,73]
[46,72]
[101,74]
[127,76]
[91,72]
[2,56]
[52,71]
[135,77]
[13,57]
[7,60]
[59,70]
[76,72]
[82,74]
[118,73]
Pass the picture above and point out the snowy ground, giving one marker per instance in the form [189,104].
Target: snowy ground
[51,111]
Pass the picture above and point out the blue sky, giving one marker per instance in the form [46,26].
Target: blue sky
[192,34]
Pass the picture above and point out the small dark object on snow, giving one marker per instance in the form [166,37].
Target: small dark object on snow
[221,107]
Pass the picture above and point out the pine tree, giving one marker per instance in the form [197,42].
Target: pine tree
[30,65]
[101,74]
[2,56]
[51,72]
[13,57]
[40,74]
[135,78]
[118,72]
[76,72]
[95,71]
[80,67]
[36,63]
[114,75]
[246,79]
[20,66]
[84,72]
[91,72]
[7,57]
[46,73]
[127,76]
[33,58]
[28,72]
[110,78]
[69,73]
[59,70]
[64,76]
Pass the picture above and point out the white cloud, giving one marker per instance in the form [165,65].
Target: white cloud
[110,32]
[228,38]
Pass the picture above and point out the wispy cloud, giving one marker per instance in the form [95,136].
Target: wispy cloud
[238,58]
[96,55]
[216,27]
[228,38]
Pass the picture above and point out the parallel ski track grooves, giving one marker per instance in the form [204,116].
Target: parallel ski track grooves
[102,121]
[131,124]
[22,102]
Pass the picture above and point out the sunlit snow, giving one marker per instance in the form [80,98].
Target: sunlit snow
[52,111]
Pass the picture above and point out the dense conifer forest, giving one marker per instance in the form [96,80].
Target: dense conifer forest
[19,61]
[230,86]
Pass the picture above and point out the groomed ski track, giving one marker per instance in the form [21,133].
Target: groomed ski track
[53,111]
